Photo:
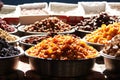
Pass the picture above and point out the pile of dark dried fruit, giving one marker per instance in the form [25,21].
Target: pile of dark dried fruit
[7,50]
[5,26]
[34,39]
[92,23]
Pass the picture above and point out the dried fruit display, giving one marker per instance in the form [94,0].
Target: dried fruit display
[51,24]
[113,47]
[62,47]
[7,50]
[93,23]
[103,34]
[5,26]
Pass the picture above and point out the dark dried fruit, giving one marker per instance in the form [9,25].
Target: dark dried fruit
[90,24]
[5,26]
[7,50]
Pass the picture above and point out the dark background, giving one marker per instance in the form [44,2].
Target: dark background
[16,2]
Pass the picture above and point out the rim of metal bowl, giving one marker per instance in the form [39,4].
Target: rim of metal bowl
[84,31]
[56,59]
[18,38]
[95,43]
[15,31]
[107,56]
[92,42]
[20,54]
[21,29]
[25,37]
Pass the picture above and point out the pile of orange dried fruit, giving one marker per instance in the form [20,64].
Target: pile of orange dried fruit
[62,47]
[103,34]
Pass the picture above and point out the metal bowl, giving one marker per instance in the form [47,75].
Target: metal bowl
[111,63]
[26,46]
[61,68]
[9,64]
[97,46]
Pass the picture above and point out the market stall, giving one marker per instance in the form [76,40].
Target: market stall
[60,41]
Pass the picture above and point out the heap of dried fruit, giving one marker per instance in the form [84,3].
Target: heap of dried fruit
[93,23]
[62,47]
[5,26]
[113,47]
[103,34]
[7,50]
[51,24]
